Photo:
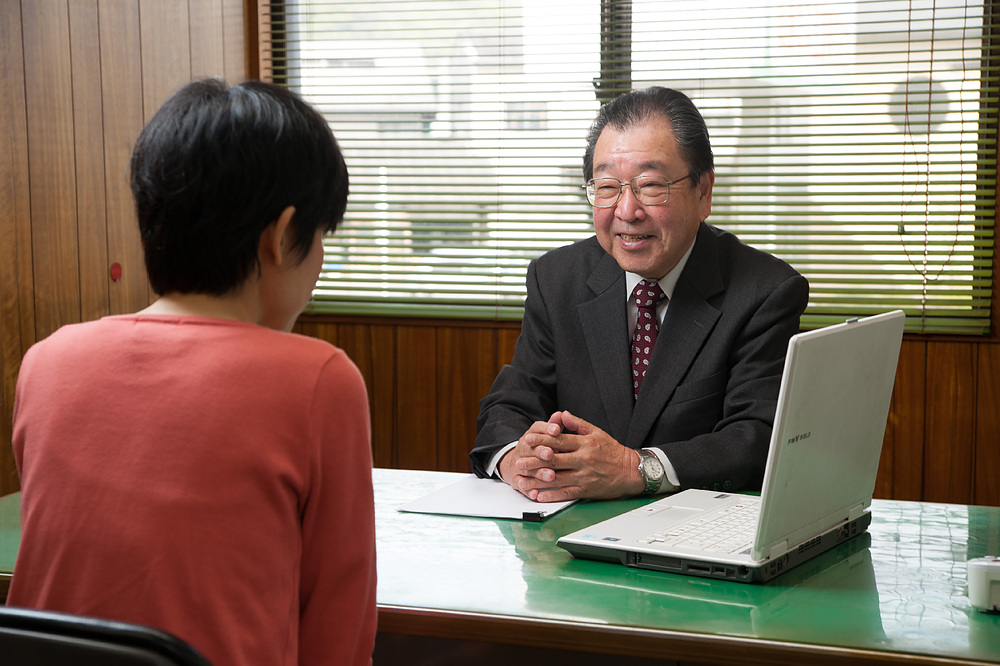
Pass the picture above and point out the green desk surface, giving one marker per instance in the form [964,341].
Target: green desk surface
[899,590]
[10,538]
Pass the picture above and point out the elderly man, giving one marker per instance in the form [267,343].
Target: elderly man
[650,354]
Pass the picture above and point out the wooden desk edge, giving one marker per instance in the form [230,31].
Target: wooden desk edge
[617,640]
[633,641]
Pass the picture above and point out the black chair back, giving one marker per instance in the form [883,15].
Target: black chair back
[32,637]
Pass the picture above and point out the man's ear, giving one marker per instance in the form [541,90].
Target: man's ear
[705,185]
[276,242]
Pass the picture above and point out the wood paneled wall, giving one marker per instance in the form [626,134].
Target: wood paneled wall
[78,79]
[425,379]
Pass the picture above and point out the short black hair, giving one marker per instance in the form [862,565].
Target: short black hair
[637,106]
[215,166]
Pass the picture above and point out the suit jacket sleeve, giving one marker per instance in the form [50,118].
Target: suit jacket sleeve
[524,391]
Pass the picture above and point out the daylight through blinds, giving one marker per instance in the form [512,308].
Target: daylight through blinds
[856,140]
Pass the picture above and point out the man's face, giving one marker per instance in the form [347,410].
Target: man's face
[648,240]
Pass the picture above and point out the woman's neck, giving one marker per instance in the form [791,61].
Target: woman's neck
[235,306]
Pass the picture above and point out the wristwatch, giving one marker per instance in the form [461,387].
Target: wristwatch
[652,471]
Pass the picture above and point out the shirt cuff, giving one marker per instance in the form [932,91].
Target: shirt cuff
[491,469]
[670,483]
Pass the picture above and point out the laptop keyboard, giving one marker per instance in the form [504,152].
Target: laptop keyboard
[728,531]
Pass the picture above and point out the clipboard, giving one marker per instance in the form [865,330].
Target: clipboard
[483,498]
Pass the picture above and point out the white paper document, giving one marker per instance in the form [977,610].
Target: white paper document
[483,498]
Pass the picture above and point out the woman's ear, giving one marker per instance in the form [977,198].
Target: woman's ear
[276,242]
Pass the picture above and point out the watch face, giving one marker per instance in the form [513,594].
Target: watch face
[652,466]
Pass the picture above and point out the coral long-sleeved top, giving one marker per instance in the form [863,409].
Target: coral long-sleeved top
[207,477]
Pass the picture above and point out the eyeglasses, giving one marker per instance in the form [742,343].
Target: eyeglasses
[648,190]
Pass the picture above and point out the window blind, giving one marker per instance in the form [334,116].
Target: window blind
[856,140]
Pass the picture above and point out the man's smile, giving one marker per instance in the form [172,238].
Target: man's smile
[633,238]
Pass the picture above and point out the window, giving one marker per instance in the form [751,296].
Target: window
[856,140]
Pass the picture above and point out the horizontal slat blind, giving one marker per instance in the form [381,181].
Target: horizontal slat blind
[856,140]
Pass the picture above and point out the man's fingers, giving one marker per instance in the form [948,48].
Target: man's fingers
[527,486]
[544,474]
[558,494]
[540,457]
[557,420]
[549,428]
[564,443]
[572,422]
[543,491]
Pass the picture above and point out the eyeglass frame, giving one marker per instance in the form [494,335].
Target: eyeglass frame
[621,188]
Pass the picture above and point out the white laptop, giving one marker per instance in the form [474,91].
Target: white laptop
[818,482]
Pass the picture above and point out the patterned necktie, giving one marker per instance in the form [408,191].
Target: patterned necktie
[647,295]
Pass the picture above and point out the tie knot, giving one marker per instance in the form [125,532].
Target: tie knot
[647,294]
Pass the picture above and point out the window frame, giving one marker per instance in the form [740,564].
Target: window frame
[615,44]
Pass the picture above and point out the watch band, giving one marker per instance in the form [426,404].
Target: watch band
[651,470]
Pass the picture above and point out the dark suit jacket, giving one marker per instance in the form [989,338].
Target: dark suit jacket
[710,392]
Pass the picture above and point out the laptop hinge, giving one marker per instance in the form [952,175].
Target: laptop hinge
[777,550]
[856,512]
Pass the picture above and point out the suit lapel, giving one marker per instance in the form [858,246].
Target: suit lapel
[689,320]
[605,328]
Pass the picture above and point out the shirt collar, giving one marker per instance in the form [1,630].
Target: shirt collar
[667,282]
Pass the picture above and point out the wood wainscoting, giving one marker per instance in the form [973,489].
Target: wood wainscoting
[425,379]
[78,80]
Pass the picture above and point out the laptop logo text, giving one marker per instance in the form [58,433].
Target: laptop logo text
[799,438]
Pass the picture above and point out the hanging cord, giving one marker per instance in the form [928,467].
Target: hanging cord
[922,270]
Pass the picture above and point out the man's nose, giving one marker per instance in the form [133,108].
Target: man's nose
[628,206]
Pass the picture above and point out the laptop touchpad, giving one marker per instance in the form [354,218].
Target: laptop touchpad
[670,514]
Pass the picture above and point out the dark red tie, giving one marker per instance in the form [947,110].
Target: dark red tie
[647,295]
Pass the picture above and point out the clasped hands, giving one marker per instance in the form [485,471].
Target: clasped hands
[567,458]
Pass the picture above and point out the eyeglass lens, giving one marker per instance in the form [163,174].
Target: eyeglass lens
[649,190]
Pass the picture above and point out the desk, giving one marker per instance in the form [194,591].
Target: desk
[897,594]
[10,538]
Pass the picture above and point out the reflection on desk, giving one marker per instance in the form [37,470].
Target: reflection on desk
[479,586]
[898,591]
[787,612]
[922,575]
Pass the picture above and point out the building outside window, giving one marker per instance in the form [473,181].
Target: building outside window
[856,140]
